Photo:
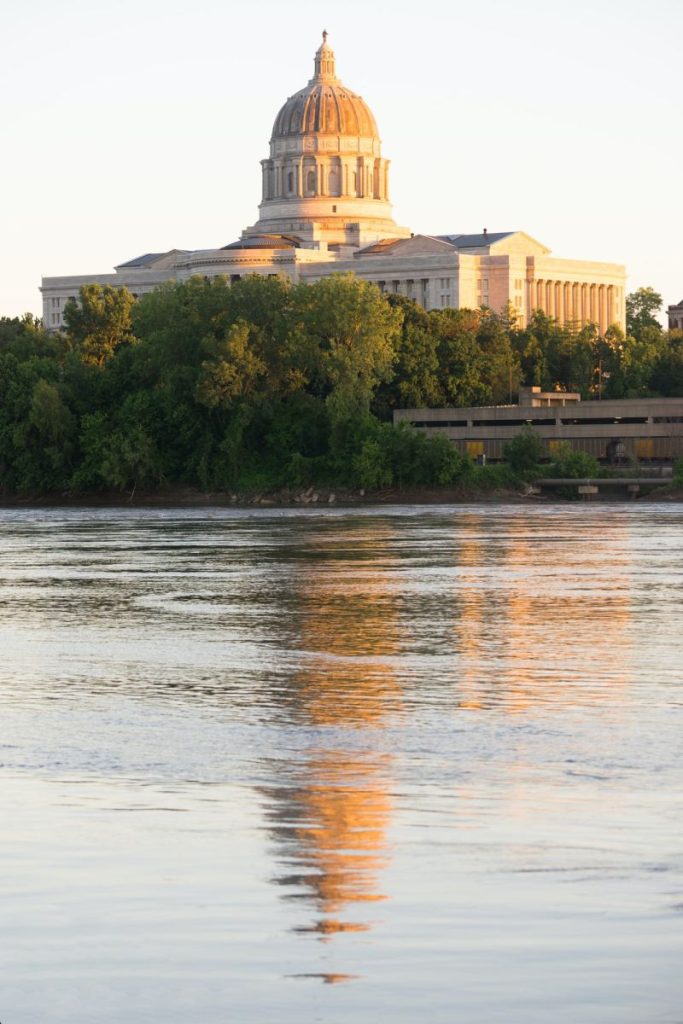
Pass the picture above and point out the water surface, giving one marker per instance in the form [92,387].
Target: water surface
[342,766]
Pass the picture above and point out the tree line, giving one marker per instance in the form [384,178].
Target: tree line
[263,383]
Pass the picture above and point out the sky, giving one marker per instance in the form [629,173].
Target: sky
[139,126]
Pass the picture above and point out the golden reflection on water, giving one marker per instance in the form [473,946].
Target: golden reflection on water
[548,625]
[331,821]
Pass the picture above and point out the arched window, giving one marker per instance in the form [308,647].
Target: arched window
[310,181]
[333,183]
[290,181]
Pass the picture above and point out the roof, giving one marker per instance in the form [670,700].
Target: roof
[149,259]
[265,242]
[474,241]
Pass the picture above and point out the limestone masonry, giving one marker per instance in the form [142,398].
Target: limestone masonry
[325,209]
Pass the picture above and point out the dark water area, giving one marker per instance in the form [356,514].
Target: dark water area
[396,764]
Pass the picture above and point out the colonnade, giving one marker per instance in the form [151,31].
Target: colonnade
[576,302]
[306,175]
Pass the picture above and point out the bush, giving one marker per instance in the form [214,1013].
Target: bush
[678,473]
[524,452]
[569,463]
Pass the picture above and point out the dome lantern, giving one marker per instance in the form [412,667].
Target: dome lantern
[324,62]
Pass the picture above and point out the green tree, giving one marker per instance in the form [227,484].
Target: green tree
[524,452]
[100,322]
[641,307]
[349,332]
[568,463]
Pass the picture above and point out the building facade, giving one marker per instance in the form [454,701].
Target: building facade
[646,429]
[326,209]
[675,314]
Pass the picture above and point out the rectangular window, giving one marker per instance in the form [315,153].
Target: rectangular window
[435,424]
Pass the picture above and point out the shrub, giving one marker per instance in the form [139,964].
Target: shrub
[572,464]
[524,452]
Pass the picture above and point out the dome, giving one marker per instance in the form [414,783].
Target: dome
[325,182]
[325,105]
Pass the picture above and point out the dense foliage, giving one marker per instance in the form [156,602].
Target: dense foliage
[267,384]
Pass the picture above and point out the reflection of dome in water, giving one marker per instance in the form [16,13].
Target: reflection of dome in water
[332,820]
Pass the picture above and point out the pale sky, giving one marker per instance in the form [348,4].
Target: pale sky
[138,126]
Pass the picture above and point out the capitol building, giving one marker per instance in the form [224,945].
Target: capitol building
[326,209]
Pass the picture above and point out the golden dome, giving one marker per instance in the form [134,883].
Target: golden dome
[325,105]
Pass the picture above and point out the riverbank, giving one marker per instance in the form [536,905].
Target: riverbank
[311,497]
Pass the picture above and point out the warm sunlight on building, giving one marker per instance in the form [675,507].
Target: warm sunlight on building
[326,209]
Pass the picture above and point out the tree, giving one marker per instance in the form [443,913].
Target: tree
[524,452]
[568,463]
[641,307]
[100,322]
[349,332]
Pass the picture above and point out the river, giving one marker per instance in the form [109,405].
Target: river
[396,764]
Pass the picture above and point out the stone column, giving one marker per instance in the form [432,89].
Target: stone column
[550,298]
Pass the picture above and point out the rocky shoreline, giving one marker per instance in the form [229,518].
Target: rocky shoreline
[310,497]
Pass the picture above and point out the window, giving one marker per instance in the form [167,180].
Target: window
[434,424]
[310,181]
[290,181]
[334,209]
[603,420]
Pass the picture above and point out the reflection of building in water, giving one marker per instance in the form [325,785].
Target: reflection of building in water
[331,817]
[541,622]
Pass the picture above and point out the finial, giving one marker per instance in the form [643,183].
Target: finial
[324,35]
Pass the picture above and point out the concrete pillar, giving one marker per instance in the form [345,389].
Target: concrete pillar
[610,305]
[560,302]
